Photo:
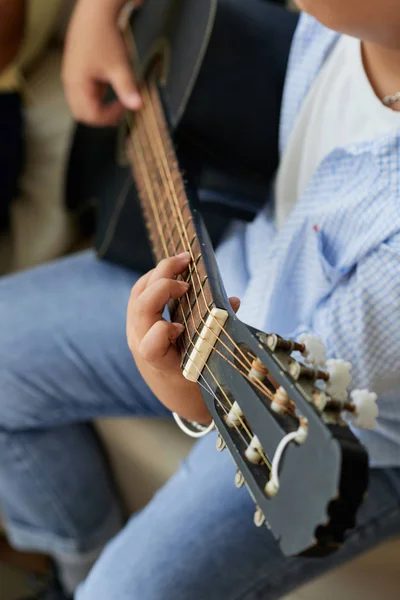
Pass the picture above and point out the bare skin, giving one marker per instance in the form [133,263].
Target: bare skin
[377,24]
[95,57]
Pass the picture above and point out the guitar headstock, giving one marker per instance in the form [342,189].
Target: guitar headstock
[283,413]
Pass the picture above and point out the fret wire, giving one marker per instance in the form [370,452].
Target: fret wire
[178,247]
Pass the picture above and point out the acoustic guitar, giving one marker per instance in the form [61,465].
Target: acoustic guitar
[280,409]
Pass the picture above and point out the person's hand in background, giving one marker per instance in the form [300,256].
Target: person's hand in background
[96,57]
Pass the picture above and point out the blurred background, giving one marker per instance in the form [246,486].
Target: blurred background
[36,130]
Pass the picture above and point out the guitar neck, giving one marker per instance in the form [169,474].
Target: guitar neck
[167,210]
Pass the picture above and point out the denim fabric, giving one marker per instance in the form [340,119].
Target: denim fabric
[196,540]
[63,362]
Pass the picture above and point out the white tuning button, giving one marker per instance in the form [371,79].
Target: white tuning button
[239,479]
[315,352]
[254,451]
[235,416]
[220,445]
[281,401]
[339,378]
[366,409]
[259,519]
[320,400]
[271,489]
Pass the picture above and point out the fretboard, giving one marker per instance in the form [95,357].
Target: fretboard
[167,211]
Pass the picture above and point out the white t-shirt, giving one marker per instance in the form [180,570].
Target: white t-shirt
[340,109]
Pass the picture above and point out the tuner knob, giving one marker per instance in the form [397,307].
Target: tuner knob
[281,401]
[339,378]
[239,479]
[320,400]
[366,409]
[254,451]
[315,351]
[276,342]
[271,489]
[235,416]
[299,371]
[258,371]
[220,445]
[259,519]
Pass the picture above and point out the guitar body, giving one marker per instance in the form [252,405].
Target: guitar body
[99,186]
[237,163]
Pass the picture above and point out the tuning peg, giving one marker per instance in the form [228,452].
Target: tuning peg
[234,418]
[220,445]
[239,479]
[271,489]
[258,371]
[320,400]
[365,408]
[259,518]
[314,350]
[339,378]
[299,371]
[254,451]
[281,401]
[275,342]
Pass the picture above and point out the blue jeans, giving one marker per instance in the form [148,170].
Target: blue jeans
[63,362]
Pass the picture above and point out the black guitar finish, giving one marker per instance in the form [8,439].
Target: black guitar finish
[155,33]
[229,128]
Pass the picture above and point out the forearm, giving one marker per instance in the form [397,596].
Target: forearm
[12,21]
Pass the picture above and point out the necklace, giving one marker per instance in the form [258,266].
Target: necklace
[389,100]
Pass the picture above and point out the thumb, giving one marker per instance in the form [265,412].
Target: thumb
[125,87]
[235,303]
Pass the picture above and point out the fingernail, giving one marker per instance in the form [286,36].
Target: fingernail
[185,284]
[235,303]
[179,327]
[134,100]
[184,256]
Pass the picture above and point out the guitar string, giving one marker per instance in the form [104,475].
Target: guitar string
[166,252]
[161,234]
[139,150]
[182,227]
[168,175]
[163,152]
[207,387]
[253,381]
[131,42]
[256,382]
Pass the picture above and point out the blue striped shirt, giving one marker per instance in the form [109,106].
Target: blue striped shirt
[334,267]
